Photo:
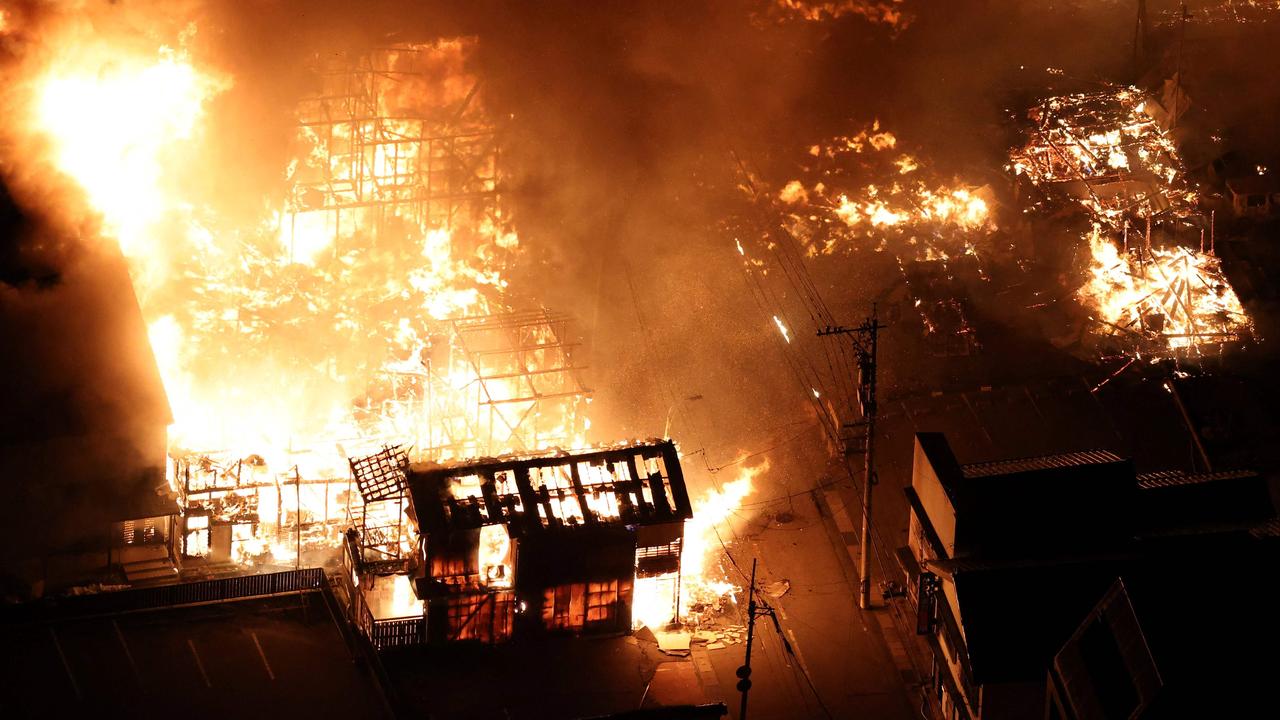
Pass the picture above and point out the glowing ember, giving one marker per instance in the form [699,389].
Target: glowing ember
[786,334]
[1175,297]
[1107,151]
[861,194]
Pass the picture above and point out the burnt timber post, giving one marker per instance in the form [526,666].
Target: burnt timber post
[865,338]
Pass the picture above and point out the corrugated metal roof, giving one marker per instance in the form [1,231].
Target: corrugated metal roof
[1044,462]
[1171,478]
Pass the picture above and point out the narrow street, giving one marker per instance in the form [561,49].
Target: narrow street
[839,664]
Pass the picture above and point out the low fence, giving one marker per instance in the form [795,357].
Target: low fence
[204,591]
[398,632]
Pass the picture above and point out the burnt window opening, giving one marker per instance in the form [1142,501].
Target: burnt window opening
[563,607]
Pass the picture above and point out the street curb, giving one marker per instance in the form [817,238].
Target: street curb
[876,620]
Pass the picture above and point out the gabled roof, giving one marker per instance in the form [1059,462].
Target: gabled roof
[632,484]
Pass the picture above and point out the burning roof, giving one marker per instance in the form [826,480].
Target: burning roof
[1106,151]
[1161,299]
[636,484]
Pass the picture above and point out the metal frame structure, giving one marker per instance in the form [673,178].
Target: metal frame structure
[525,370]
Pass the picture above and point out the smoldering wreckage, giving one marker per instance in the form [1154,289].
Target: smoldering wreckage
[354,379]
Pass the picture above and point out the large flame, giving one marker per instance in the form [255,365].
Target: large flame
[860,192]
[119,122]
[1176,297]
[326,326]
[703,579]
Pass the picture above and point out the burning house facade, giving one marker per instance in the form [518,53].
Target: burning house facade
[520,545]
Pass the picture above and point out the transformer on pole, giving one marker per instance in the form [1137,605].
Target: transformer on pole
[865,337]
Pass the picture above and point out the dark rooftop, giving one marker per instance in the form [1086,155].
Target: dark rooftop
[1043,462]
[1171,478]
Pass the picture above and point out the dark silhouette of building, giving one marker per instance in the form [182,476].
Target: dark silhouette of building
[1005,559]
[83,429]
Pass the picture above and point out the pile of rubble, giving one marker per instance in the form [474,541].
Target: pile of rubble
[1107,150]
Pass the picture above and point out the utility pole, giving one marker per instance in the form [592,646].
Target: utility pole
[1141,41]
[754,610]
[865,337]
[744,671]
[297,517]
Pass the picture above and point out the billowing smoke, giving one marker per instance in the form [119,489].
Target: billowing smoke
[625,127]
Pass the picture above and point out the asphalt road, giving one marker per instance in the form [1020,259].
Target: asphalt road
[839,664]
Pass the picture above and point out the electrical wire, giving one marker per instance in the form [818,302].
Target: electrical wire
[794,271]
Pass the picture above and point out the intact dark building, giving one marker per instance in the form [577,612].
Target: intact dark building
[1176,641]
[1005,558]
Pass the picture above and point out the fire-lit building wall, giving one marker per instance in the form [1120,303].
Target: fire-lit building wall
[548,544]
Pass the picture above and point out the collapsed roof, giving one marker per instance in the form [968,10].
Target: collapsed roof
[1106,151]
[632,484]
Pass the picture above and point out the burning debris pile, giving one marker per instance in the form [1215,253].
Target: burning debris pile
[1107,151]
[1109,154]
[1162,299]
[1225,11]
[860,192]
[885,12]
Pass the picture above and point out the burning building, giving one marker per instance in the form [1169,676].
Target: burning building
[1109,153]
[582,542]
